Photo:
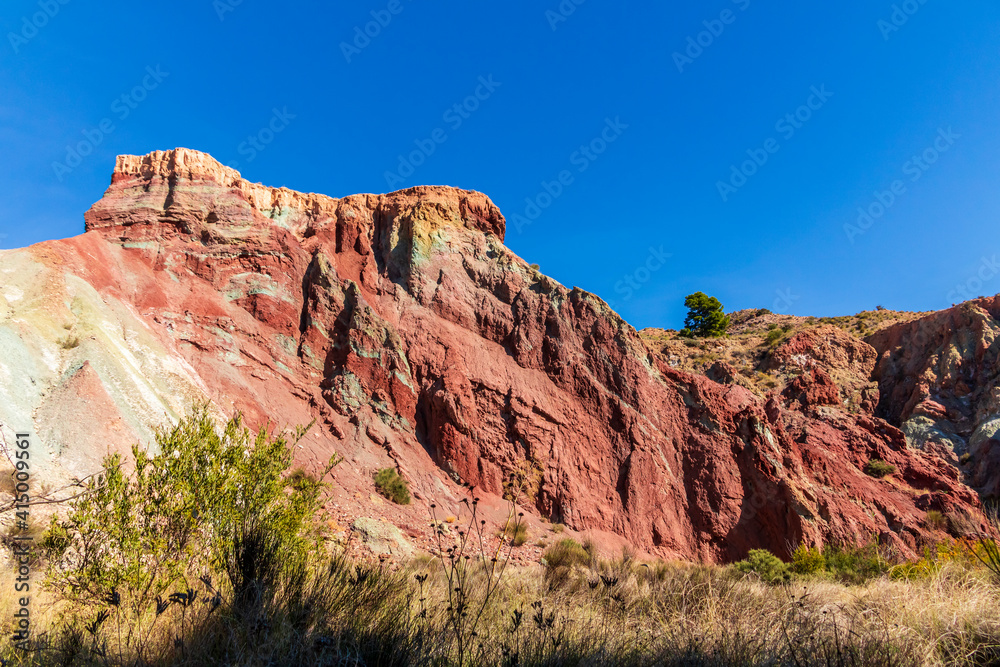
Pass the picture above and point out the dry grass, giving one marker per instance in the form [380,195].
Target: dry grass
[514,531]
[259,601]
[602,613]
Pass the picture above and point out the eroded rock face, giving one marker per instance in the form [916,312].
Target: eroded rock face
[939,378]
[843,359]
[418,340]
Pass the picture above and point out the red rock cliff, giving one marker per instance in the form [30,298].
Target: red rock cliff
[417,338]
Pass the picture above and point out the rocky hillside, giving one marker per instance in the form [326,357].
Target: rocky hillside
[939,379]
[754,353]
[417,340]
[934,375]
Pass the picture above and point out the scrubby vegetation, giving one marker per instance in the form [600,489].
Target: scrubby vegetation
[209,552]
[516,532]
[392,486]
[568,553]
[776,335]
[751,340]
[765,565]
[808,560]
[878,468]
[69,342]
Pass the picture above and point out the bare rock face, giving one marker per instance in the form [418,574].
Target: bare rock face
[845,360]
[939,378]
[814,387]
[381,537]
[418,340]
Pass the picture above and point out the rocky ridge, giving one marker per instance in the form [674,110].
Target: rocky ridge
[417,340]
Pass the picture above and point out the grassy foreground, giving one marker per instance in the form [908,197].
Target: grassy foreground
[182,563]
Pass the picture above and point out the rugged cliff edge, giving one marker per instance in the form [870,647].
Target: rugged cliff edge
[417,339]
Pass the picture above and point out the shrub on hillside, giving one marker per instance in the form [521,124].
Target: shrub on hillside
[774,336]
[808,560]
[392,486]
[855,565]
[211,499]
[69,342]
[878,468]
[766,565]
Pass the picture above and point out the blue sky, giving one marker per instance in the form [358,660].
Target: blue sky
[644,109]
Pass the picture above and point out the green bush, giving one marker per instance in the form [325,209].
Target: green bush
[808,560]
[705,318]
[392,486]
[567,553]
[195,506]
[855,565]
[766,565]
[878,468]
[774,336]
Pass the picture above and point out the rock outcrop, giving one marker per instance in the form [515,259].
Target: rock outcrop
[939,379]
[418,340]
[845,360]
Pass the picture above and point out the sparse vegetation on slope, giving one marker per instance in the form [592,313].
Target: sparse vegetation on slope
[392,486]
[753,336]
[877,468]
[516,532]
